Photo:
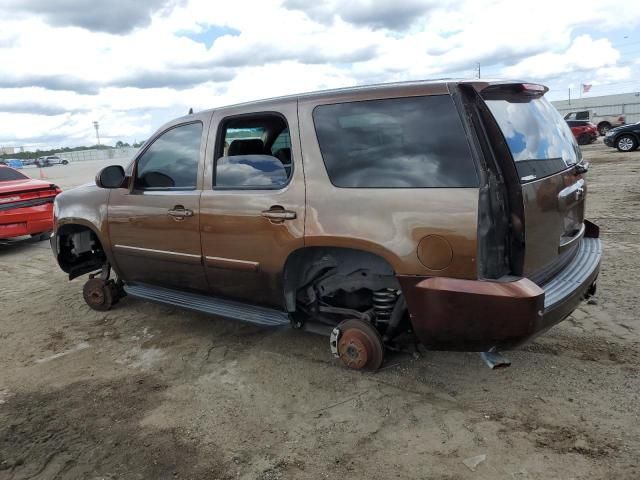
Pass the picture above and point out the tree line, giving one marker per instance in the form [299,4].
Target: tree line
[54,151]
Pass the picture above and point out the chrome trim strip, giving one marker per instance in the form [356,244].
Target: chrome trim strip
[232,263]
[572,194]
[159,253]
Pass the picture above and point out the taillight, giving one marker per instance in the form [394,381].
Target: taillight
[534,88]
[52,191]
[621,118]
[9,199]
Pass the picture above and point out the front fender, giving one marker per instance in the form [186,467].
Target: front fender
[85,206]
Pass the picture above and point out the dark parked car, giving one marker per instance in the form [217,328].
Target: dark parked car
[625,138]
[451,212]
[584,132]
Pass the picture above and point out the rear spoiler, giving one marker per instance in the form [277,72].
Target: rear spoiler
[511,91]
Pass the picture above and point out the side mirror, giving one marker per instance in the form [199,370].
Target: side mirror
[112,176]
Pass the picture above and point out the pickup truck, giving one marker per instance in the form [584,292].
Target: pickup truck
[604,123]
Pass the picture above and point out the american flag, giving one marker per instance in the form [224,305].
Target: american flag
[586,87]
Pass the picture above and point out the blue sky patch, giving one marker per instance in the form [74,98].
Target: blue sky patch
[208,35]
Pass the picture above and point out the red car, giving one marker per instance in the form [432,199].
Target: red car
[26,205]
[585,132]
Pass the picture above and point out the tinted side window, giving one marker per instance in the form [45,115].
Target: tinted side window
[414,142]
[172,160]
[257,171]
[582,115]
[8,174]
[245,160]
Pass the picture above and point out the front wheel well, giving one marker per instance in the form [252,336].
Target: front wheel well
[79,250]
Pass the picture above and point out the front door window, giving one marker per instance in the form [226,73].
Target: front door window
[171,162]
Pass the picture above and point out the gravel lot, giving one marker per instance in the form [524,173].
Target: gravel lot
[148,391]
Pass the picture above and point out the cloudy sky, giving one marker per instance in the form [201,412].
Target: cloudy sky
[134,64]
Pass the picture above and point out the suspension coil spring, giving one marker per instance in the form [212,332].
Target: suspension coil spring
[383,302]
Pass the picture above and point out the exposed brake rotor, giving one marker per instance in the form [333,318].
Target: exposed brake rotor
[98,294]
[359,345]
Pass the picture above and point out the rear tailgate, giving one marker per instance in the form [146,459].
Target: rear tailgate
[545,153]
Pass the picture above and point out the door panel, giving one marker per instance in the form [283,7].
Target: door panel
[248,233]
[151,246]
[154,225]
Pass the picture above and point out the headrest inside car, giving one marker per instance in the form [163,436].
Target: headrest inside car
[284,155]
[253,146]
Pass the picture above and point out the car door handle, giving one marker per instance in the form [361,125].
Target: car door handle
[180,212]
[278,214]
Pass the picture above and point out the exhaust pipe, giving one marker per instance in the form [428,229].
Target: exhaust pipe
[494,359]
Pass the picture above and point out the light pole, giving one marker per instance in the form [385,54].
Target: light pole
[96,125]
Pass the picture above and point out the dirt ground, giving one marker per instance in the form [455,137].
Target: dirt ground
[152,392]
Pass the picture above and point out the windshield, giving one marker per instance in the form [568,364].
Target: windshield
[540,140]
[8,174]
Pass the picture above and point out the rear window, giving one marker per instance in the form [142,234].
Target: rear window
[414,142]
[8,174]
[540,140]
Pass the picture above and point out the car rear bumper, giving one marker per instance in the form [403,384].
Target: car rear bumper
[26,221]
[591,134]
[471,315]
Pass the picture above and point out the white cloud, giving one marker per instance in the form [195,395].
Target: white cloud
[612,74]
[61,70]
[583,54]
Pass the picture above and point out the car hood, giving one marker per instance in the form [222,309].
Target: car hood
[621,128]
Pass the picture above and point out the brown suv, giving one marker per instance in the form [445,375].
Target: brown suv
[450,211]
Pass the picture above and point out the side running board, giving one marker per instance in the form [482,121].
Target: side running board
[214,306]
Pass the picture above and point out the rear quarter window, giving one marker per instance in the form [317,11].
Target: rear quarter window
[414,142]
